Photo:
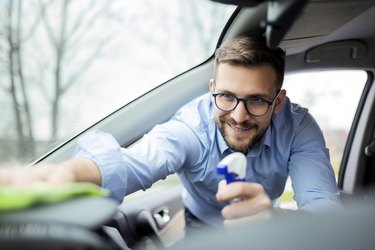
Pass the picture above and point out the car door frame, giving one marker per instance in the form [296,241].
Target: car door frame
[355,165]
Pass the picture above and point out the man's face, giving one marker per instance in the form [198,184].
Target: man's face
[239,129]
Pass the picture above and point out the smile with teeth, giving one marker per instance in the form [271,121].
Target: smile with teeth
[239,129]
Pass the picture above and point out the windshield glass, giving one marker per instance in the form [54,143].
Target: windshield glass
[66,64]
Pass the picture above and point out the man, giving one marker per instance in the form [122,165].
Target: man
[245,111]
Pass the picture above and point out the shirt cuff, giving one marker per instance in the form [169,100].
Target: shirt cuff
[103,149]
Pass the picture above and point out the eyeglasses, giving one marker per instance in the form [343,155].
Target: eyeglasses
[256,106]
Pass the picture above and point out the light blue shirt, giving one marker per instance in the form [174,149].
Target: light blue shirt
[191,145]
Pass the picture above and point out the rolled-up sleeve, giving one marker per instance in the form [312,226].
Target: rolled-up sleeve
[103,149]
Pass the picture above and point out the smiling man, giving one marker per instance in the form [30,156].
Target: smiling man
[245,111]
[279,138]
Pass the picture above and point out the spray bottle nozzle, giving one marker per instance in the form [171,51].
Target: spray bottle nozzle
[233,167]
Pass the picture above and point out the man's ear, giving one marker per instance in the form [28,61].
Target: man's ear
[280,100]
[211,85]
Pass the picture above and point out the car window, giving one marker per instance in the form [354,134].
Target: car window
[66,64]
[332,98]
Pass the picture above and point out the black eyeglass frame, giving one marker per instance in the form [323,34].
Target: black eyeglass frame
[244,100]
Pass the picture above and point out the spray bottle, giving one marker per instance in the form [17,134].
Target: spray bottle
[233,167]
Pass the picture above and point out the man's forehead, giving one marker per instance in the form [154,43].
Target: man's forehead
[226,67]
[262,76]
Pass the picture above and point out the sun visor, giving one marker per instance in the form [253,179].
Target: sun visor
[337,51]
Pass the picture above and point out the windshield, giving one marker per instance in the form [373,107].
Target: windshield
[66,64]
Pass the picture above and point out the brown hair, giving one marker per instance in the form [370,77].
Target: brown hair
[251,51]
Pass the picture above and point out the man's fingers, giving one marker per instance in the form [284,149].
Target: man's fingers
[253,199]
[20,177]
[5,177]
[247,207]
[244,190]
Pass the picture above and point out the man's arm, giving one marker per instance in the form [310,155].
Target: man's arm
[313,178]
[75,170]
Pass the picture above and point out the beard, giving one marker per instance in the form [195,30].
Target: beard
[237,143]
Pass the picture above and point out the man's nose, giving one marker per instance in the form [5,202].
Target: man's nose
[240,114]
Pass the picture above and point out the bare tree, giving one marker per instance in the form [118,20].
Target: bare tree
[66,39]
[17,88]
[192,29]
[198,28]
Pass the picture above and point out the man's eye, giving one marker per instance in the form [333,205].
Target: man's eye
[256,101]
[226,96]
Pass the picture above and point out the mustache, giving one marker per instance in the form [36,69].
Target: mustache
[241,125]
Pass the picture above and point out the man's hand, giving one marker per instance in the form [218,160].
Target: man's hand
[253,197]
[75,170]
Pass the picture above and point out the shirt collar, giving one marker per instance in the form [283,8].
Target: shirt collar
[223,147]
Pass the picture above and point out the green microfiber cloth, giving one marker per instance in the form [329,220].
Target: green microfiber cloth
[12,198]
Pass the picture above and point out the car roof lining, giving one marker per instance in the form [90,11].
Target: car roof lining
[323,20]
[327,21]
